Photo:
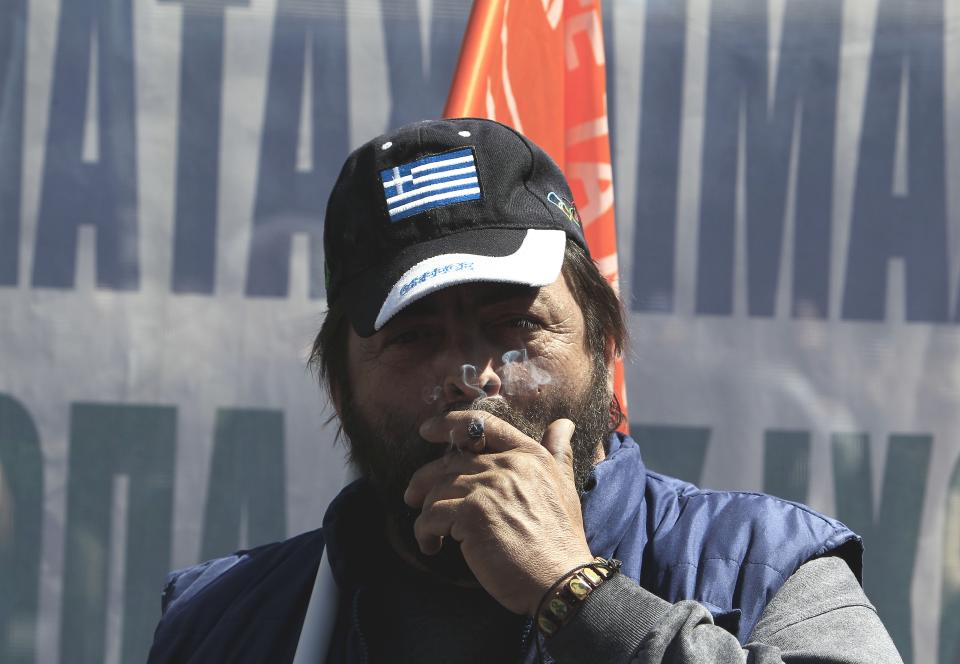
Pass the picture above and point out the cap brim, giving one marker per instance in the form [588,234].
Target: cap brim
[535,259]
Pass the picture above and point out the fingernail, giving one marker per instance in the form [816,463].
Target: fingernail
[432,547]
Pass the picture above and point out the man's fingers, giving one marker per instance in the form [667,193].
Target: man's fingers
[457,487]
[557,441]
[442,472]
[460,426]
[434,524]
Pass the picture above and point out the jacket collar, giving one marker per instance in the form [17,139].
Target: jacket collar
[614,504]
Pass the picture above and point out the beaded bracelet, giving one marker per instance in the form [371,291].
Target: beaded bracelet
[565,597]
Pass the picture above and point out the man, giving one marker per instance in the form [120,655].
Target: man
[468,351]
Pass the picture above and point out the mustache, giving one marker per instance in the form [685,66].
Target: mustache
[485,403]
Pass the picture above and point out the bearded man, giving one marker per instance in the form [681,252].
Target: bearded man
[499,516]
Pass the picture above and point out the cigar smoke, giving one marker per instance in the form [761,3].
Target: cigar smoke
[520,375]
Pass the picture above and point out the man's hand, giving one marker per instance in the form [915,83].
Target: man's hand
[514,509]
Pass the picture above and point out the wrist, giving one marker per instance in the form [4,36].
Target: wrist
[550,576]
[563,599]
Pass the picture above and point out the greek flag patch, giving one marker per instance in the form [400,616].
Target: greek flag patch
[430,182]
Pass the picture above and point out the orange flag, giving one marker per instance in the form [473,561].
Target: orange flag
[538,66]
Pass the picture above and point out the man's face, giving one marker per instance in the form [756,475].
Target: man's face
[519,353]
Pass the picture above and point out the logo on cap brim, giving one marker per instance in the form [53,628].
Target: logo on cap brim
[536,262]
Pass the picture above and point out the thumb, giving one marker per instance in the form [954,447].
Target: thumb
[556,439]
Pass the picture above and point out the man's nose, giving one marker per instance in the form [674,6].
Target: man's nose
[468,382]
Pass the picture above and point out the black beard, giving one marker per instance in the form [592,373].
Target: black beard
[387,453]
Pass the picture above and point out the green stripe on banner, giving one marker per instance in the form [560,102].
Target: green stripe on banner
[21,517]
[247,488]
[890,539]
[678,451]
[950,599]
[786,464]
[108,442]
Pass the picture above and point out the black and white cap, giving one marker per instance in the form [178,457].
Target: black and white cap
[439,203]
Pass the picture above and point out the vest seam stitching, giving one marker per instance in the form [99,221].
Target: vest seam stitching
[759,494]
[729,560]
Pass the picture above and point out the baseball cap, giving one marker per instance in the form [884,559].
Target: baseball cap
[439,203]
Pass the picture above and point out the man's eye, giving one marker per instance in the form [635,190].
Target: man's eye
[409,336]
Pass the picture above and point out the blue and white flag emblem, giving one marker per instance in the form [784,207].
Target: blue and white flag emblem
[430,182]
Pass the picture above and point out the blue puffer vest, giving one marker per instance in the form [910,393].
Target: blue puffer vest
[729,551]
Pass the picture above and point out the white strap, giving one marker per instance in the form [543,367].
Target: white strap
[320,618]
